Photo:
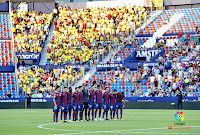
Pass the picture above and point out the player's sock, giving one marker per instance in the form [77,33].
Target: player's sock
[93,114]
[121,113]
[103,114]
[96,113]
[80,115]
[54,116]
[106,114]
[65,116]
[117,114]
[70,115]
[76,116]
[99,113]
[61,115]
[88,114]
[73,116]
[113,114]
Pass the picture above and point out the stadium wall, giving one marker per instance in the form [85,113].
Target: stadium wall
[44,7]
[129,105]
[162,105]
[181,4]
[100,4]
[4,7]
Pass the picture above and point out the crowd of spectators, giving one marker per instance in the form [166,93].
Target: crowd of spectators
[30,29]
[184,74]
[36,80]
[82,34]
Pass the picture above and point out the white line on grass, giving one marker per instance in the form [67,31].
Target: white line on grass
[153,133]
[113,131]
[156,119]
[18,111]
[41,126]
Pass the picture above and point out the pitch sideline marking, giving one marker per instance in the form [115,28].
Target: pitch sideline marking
[113,131]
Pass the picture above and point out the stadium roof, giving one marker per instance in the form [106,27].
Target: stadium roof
[28,0]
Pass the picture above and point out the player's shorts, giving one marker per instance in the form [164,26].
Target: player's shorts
[85,105]
[64,108]
[106,107]
[55,109]
[91,106]
[98,106]
[75,108]
[80,107]
[119,106]
[70,107]
[112,108]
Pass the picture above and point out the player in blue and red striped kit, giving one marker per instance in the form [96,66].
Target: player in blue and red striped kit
[75,104]
[64,105]
[56,101]
[80,103]
[106,103]
[91,102]
[120,105]
[70,103]
[98,94]
[113,104]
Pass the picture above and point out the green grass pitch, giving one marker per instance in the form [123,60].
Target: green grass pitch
[137,122]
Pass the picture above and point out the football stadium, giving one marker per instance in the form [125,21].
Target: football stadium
[105,67]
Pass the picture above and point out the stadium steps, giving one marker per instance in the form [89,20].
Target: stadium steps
[186,24]
[43,59]
[150,19]
[159,33]
[93,70]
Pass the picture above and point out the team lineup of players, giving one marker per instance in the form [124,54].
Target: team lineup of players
[89,101]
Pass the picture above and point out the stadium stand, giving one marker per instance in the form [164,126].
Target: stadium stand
[6,57]
[36,80]
[4,27]
[7,85]
[7,80]
[30,30]
[188,22]
[157,81]
[128,48]
[82,33]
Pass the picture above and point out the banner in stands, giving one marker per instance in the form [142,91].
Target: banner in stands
[13,100]
[144,53]
[103,67]
[28,56]
[158,99]
[16,100]
[131,65]
[191,61]
[7,69]
[131,99]
[76,67]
